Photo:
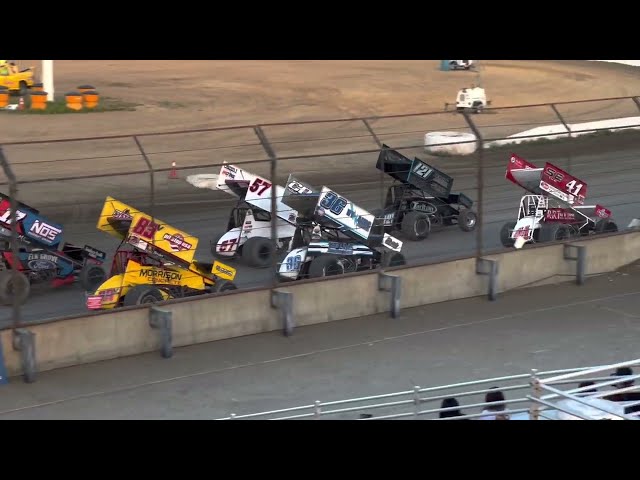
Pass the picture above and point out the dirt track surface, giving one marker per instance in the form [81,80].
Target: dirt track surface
[548,328]
[198,94]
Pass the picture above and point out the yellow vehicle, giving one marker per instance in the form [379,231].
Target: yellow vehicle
[155,262]
[19,82]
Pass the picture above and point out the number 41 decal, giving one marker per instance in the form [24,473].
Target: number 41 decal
[574,189]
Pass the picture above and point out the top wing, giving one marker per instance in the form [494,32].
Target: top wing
[416,173]
[550,180]
[115,218]
[31,227]
[300,197]
[148,234]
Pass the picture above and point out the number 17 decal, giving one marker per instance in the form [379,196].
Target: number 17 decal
[259,184]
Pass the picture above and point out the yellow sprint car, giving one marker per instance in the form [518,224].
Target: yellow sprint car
[155,262]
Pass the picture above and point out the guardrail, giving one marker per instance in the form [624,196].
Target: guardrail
[552,406]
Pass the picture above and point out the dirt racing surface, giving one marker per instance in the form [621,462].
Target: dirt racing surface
[174,95]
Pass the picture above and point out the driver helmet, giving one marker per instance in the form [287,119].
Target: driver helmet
[316,233]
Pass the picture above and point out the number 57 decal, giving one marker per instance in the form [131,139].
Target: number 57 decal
[259,184]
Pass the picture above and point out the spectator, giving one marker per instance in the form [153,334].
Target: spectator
[494,412]
[450,403]
[586,384]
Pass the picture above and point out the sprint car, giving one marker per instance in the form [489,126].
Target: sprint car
[248,234]
[154,262]
[43,258]
[554,207]
[334,236]
[421,199]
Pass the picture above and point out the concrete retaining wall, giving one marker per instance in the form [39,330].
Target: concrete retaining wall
[127,332]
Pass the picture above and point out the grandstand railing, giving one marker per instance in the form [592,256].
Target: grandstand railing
[539,395]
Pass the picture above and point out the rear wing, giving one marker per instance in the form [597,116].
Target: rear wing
[332,210]
[147,234]
[255,190]
[416,173]
[31,227]
[550,180]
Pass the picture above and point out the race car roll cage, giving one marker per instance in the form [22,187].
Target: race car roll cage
[536,206]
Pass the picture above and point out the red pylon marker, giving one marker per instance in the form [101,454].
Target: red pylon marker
[21,103]
[174,172]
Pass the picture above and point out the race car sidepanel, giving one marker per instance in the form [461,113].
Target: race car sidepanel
[137,274]
[228,244]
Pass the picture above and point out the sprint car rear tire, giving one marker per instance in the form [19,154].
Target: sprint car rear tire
[605,225]
[467,220]
[505,234]
[142,295]
[325,266]
[223,286]
[393,259]
[416,226]
[259,252]
[91,277]
[12,284]
[554,232]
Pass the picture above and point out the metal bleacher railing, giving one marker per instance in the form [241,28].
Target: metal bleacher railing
[541,395]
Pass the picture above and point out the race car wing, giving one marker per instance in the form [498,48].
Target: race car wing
[416,173]
[352,220]
[156,237]
[300,197]
[550,180]
[115,218]
[31,227]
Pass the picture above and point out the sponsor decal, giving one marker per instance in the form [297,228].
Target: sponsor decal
[166,275]
[560,214]
[122,214]
[248,226]
[388,219]
[43,256]
[602,212]
[138,242]
[423,207]
[177,242]
[391,242]
[44,231]
[223,270]
[337,247]
[93,253]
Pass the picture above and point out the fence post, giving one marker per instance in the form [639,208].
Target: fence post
[160,319]
[283,301]
[568,129]
[13,200]
[392,284]
[416,401]
[274,208]
[24,342]
[379,143]
[580,258]
[152,186]
[534,409]
[480,179]
[316,410]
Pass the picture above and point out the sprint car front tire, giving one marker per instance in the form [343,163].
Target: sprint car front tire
[224,286]
[505,234]
[259,252]
[91,277]
[325,266]
[142,295]
[393,259]
[467,220]
[14,284]
[605,225]
[416,226]
[554,232]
